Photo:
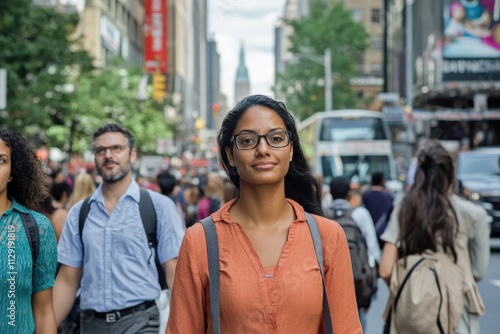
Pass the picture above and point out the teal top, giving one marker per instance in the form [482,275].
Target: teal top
[17,279]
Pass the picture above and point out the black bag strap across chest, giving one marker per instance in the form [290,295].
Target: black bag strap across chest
[32,234]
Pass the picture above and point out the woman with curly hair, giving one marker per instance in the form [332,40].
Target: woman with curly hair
[26,288]
[270,280]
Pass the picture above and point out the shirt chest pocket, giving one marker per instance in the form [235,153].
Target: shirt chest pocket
[131,240]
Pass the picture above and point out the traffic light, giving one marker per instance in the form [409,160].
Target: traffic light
[215,109]
[159,87]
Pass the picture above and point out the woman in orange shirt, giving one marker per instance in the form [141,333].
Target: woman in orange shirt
[270,280]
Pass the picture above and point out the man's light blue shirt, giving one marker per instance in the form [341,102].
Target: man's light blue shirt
[118,265]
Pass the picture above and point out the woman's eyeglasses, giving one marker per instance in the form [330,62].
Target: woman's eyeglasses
[250,140]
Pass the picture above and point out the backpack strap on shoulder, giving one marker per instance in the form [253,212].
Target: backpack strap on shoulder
[407,277]
[149,222]
[31,230]
[82,216]
[213,271]
[148,216]
[336,212]
[349,212]
[318,248]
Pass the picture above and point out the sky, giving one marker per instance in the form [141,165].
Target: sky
[231,22]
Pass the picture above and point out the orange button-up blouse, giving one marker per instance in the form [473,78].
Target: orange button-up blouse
[254,299]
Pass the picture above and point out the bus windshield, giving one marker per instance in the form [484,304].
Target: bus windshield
[344,129]
[357,168]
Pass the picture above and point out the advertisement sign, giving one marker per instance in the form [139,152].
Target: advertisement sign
[471,40]
[110,35]
[155,36]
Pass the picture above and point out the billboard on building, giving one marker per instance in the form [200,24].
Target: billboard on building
[110,35]
[471,40]
[155,36]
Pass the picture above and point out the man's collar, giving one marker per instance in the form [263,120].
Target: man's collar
[133,190]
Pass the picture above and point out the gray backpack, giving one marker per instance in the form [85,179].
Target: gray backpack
[365,274]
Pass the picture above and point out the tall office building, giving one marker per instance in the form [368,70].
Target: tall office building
[187,64]
[111,28]
[107,28]
[241,82]
[370,80]
[214,92]
[294,9]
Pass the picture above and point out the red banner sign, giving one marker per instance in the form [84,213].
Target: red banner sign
[155,36]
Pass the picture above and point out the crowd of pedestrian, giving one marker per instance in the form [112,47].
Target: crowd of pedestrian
[101,250]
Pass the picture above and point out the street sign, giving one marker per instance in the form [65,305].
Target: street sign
[3,88]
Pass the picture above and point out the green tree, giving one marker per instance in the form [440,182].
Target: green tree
[41,59]
[328,26]
[55,94]
[105,95]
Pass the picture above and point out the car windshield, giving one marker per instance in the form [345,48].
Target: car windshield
[469,165]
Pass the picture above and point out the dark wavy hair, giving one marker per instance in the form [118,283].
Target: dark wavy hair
[113,127]
[300,183]
[426,213]
[27,186]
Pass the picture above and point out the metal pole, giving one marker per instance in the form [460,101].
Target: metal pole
[3,88]
[328,80]
[409,53]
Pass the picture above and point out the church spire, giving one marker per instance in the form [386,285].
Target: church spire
[242,72]
[241,83]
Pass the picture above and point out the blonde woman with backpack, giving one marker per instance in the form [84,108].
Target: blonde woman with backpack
[432,222]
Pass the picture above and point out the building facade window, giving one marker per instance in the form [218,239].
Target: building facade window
[119,12]
[357,14]
[360,64]
[376,42]
[376,70]
[376,16]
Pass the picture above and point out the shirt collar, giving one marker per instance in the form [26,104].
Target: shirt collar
[223,213]
[341,204]
[132,191]
[16,206]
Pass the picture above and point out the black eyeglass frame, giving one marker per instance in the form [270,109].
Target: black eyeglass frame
[287,133]
[101,151]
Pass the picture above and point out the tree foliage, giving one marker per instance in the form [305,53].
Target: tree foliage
[302,84]
[40,59]
[55,95]
[106,95]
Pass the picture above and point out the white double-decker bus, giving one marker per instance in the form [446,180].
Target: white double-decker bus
[354,143]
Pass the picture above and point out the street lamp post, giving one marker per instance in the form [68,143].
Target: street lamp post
[326,62]
[328,79]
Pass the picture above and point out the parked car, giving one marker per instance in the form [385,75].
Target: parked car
[478,173]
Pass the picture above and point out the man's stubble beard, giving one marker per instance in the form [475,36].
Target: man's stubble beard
[114,178]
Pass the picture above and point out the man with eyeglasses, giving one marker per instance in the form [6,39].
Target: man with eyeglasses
[111,261]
